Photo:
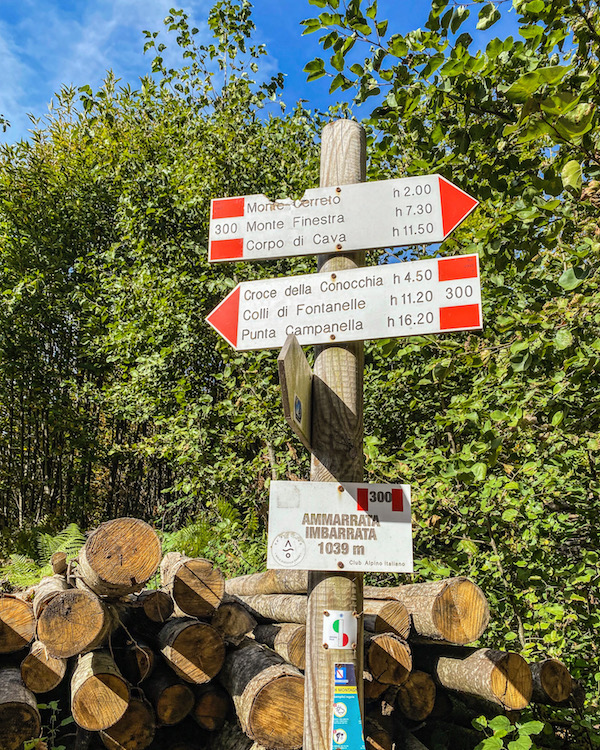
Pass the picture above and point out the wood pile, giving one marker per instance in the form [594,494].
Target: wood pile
[204,662]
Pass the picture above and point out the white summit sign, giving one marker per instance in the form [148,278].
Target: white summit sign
[348,526]
[360,216]
[436,295]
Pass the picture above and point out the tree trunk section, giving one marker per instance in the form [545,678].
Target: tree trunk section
[41,672]
[19,715]
[454,610]
[194,650]
[268,695]
[157,604]
[415,698]
[231,737]
[99,693]
[388,658]
[211,707]
[234,621]
[269,582]
[119,557]
[17,624]
[58,563]
[552,682]
[276,607]
[196,586]
[496,676]
[134,730]
[171,698]
[386,617]
[376,737]
[75,621]
[136,661]
[288,639]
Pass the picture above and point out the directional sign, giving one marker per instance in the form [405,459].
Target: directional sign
[295,376]
[348,526]
[400,299]
[360,216]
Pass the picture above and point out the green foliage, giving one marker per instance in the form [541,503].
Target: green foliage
[504,734]
[22,571]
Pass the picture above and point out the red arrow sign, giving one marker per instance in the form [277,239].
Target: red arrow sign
[398,299]
[384,213]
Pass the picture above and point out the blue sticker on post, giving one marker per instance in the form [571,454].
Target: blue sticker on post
[347,722]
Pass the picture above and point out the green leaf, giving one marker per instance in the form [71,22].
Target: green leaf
[531,727]
[459,16]
[500,725]
[510,514]
[563,339]
[523,742]
[479,471]
[488,16]
[557,418]
[571,175]
[572,278]
[535,6]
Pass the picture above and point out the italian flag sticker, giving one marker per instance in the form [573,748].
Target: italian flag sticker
[340,629]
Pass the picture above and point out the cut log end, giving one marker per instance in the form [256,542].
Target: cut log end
[193,649]
[389,659]
[120,556]
[19,716]
[74,621]
[134,730]
[461,612]
[174,704]
[195,584]
[415,698]
[552,681]
[99,693]
[17,624]
[41,672]
[511,682]
[211,707]
[274,719]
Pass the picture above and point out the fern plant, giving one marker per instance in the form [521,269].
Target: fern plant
[22,571]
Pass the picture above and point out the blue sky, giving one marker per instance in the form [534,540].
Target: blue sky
[48,43]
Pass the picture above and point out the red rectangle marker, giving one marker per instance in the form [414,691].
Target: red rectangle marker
[397,499]
[450,269]
[227,208]
[226,249]
[362,499]
[460,316]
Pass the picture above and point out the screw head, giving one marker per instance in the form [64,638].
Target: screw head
[338,190]
[340,564]
[338,246]
[325,645]
[332,337]
[333,276]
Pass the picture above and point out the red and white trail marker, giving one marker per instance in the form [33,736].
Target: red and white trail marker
[360,216]
[436,295]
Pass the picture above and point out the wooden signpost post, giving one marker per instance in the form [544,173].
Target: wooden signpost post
[337,309]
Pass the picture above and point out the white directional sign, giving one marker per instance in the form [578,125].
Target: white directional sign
[331,526]
[360,216]
[400,299]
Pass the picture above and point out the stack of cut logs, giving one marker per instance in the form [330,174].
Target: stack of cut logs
[202,662]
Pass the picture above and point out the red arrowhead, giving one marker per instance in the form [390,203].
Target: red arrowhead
[224,318]
[456,205]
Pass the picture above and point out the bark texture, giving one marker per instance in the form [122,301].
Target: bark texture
[268,695]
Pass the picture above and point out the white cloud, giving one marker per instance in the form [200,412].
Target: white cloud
[47,44]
